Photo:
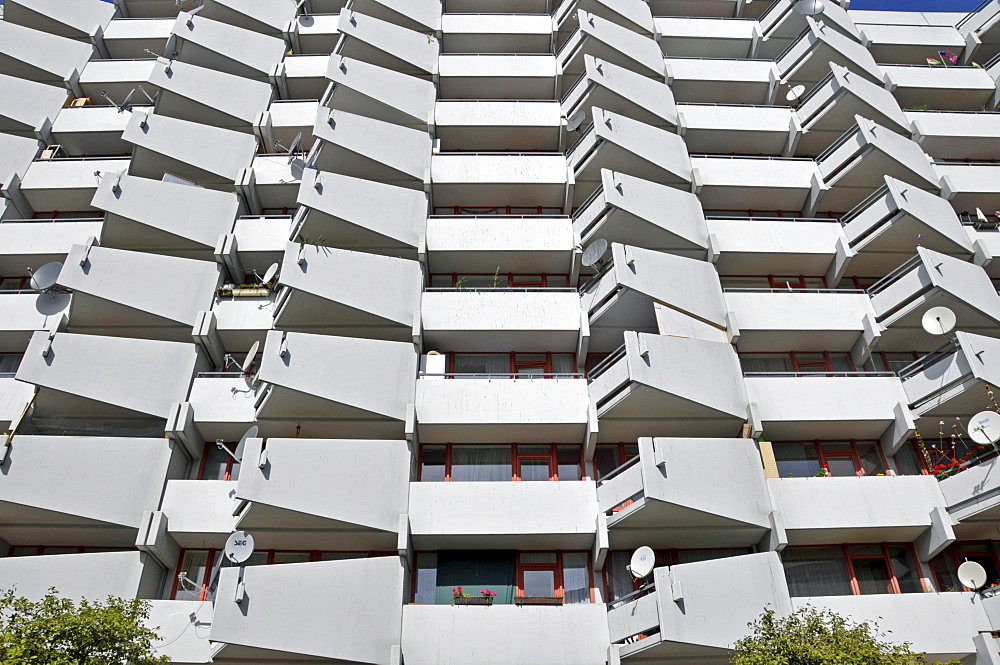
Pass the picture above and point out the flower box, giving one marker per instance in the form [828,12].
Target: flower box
[538,600]
[473,600]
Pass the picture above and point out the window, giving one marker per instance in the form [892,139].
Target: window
[525,211]
[497,280]
[618,581]
[945,565]
[785,282]
[800,459]
[851,570]
[610,456]
[9,362]
[497,463]
[217,464]
[824,362]
[505,365]
[13,282]
[48,550]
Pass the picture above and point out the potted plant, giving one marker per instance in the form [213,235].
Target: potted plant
[539,600]
[460,597]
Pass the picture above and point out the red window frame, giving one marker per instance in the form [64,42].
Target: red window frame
[80,549]
[484,211]
[987,549]
[230,462]
[883,555]
[799,364]
[511,277]
[514,364]
[515,458]
[624,455]
[839,447]
[557,568]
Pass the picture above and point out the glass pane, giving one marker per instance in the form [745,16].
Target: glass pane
[563,363]
[557,280]
[731,282]
[483,281]
[52,551]
[619,581]
[534,280]
[9,362]
[816,571]
[814,283]
[569,463]
[907,462]
[441,280]
[945,572]
[23,551]
[537,557]
[872,576]
[865,550]
[342,556]
[905,569]
[539,583]
[576,577]
[480,463]
[765,362]
[796,459]
[291,557]
[841,362]
[534,450]
[841,465]
[631,450]
[606,460]
[482,363]
[524,370]
[534,469]
[432,464]
[426,583]
[871,460]
[257,559]
[216,462]
[194,566]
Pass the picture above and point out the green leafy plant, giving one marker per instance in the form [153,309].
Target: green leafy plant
[57,631]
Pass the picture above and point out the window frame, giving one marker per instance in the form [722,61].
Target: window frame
[513,364]
[509,276]
[230,462]
[515,458]
[883,556]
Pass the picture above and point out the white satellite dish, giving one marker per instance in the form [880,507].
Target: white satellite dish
[574,121]
[984,427]
[972,575]
[594,252]
[251,354]
[45,277]
[938,320]
[810,7]
[796,92]
[249,434]
[239,547]
[269,274]
[643,560]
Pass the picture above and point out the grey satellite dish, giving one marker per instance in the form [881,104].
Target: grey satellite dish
[574,121]
[984,427]
[239,547]
[810,7]
[796,92]
[642,562]
[972,575]
[938,320]
[594,252]
[241,446]
[269,274]
[251,354]
[295,147]
[45,277]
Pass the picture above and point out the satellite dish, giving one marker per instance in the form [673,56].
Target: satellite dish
[295,147]
[984,427]
[594,252]
[796,92]
[938,320]
[251,354]
[574,121]
[810,7]
[642,562]
[239,547]
[45,277]
[269,274]
[249,434]
[972,575]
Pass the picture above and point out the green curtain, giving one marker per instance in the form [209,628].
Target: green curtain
[474,570]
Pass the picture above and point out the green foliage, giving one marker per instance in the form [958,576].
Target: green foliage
[57,631]
[819,637]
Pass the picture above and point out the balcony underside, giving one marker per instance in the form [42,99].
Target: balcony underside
[663,525]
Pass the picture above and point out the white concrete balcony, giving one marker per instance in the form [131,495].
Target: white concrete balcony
[90,130]
[163,217]
[981,30]
[909,44]
[272,182]
[647,388]
[151,8]
[118,78]
[752,246]
[722,80]
[188,619]
[829,109]
[807,60]
[316,33]
[357,214]
[419,15]
[199,513]
[873,509]
[449,635]
[26,312]
[303,495]
[620,90]
[483,180]
[957,88]
[303,76]
[496,33]
[79,20]
[261,240]
[362,147]
[386,44]
[952,380]
[39,56]
[223,402]
[62,184]
[619,143]
[110,378]
[632,14]
[776,320]
[93,576]
[494,319]
[239,322]
[869,405]
[332,291]
[771,130]
[720,8]
[28,106]
[858,162]
[101,499]
[703,37]
[621,299]
[915,618]
[640,213]
[336,387]
[383,94]
[606,40]
[17,155]
[970,186]
[269,17]
[754,183]
[360,600]
[957,135]
[33,242]
[124,293]
[206,155]
[490,410]
[228,48]
[209,97]
[931,279]
[883,229]
[663,499]
[14,399]
[781,25]
[285,120]
[500,6]
[473,76]
[501,126]
[972,498]
[526,245]
[503,515]
[130,37]
[678,616]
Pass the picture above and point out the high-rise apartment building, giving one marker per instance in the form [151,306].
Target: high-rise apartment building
[495,293]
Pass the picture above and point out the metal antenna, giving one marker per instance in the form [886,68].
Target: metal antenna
[143,91]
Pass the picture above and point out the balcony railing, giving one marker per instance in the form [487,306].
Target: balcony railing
[606,364]
[498,289]
[893,276]
[617,470]
[502,375]
[919,365]
[820,373]
[50,220]
[635,595]
[788,289]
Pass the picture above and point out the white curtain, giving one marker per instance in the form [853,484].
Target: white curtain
[480,463]
[496,365]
